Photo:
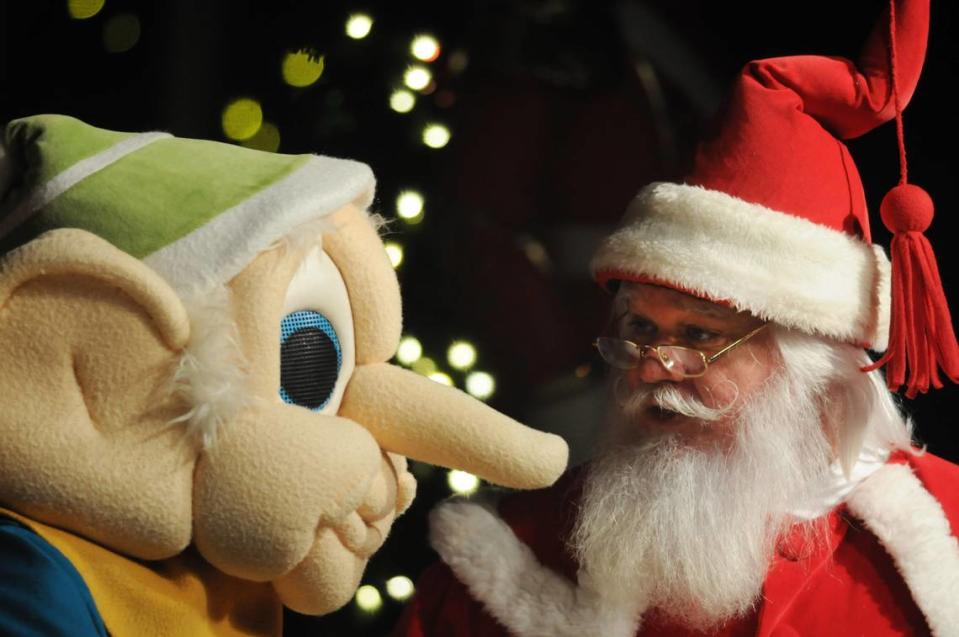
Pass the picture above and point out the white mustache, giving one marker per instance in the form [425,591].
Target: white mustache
[667,396]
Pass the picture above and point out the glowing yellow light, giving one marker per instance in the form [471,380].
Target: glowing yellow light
[537,254]
[436,135]
[267,138]
[441,378]
[83,9]
[402,101]
[242,118]
[425,48]
[358,26]
[302,69]
[400,588]
[461,482]
[368,599]
[395,252]
[424,365]
[121,33]
[461,355]
[480,385]
[409,351]
[417,77]
[409,206]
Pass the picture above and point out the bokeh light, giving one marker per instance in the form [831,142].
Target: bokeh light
[267,138]
[461,355]
[368,599]
[242,118]
[409,351]
[359,25]
[301,69]
[121,33]
[83,9]
[436,135]
[417,77]
[424,365]
[441,378]
[402,101]
[480,385]
[400,588]
[425,48]
[409,206]
[462,482]
[395,252]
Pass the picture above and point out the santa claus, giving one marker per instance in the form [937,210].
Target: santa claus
[757,476]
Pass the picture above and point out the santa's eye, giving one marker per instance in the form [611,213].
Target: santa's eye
[310,359]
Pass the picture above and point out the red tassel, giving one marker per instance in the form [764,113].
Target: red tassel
[921,336]
[920,328]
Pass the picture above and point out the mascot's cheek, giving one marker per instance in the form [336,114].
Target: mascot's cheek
[275,475]
[325,580]
[327,577]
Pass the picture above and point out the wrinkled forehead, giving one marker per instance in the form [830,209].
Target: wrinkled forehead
[645,298]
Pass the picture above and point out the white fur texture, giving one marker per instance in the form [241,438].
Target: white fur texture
[503,574]
[210,376]
[218,250]
[778,266]
[532,600]
[913,528]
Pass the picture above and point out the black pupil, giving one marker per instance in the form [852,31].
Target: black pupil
[308,367]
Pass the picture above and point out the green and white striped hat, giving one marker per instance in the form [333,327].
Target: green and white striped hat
[195,211]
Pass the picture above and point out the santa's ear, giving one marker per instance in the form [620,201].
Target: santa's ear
[81,254]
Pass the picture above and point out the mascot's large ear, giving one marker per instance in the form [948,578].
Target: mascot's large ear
[89,339]
[75,252]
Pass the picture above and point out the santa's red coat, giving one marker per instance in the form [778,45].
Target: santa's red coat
[891,567]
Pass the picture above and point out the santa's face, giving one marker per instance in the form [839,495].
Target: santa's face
[697,478]
[700,409]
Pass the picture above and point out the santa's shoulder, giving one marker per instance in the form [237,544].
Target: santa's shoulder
[938,476]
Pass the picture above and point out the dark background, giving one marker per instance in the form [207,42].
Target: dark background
[564,111]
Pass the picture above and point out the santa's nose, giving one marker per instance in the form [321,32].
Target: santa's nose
[652,370]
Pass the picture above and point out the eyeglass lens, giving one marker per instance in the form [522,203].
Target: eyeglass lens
[623,354]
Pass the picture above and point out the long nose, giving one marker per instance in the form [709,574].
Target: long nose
[416,417]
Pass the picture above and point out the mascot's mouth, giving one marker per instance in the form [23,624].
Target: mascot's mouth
[360,537]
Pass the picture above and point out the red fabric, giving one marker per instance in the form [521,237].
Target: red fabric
[849,588]
[776,144]
[920,332]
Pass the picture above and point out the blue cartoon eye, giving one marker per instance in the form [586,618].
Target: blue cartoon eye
[310,359]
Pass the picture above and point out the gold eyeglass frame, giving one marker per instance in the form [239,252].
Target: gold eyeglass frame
[644,352]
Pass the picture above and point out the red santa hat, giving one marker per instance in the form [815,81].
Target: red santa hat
[773,219]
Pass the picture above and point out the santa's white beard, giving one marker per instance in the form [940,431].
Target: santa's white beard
[690,530]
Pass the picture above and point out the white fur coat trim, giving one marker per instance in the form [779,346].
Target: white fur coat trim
[532,600]
[504,575]
[778,266]
[912,526]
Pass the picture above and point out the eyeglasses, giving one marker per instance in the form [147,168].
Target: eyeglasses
[690,363]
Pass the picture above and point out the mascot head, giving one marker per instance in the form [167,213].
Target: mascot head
[194,341]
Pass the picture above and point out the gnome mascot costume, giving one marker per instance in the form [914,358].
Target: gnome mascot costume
[198,420]
[772,220]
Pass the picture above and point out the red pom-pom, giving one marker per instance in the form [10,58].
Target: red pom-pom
[906,208]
